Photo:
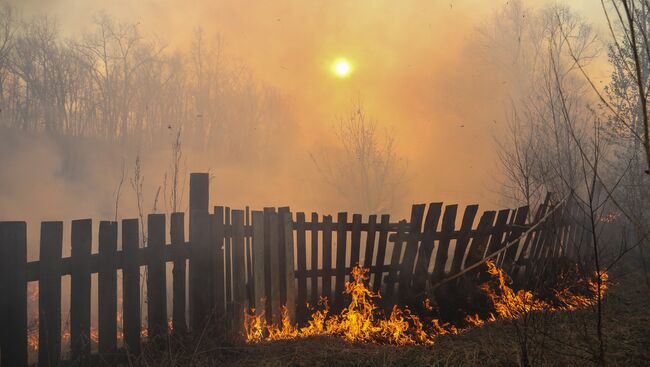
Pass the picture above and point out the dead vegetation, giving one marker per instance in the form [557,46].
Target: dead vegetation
[556,339]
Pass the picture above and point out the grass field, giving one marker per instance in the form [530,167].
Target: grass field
[553,339]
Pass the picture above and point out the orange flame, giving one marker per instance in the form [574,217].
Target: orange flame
[360,321]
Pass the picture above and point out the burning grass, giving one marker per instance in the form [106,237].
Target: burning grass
[555,339]
[363,321]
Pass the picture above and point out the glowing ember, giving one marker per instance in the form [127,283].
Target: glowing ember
[361,321]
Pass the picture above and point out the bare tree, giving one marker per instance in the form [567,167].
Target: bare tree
[367,171]
[537,154]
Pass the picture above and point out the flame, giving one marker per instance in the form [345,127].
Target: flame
[361,320]
[32,333]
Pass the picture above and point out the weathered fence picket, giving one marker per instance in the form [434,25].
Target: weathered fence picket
[80,284]
[49,294]
[240,259]
[177,236]
[131,313]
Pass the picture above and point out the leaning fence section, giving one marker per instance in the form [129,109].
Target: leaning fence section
[271,262]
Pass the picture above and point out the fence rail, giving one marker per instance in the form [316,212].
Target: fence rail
[239,259]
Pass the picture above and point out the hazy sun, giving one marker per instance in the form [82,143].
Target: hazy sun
[342,68]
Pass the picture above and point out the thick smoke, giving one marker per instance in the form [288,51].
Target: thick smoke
[272,105]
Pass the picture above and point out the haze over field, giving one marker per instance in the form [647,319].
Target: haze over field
[424,70]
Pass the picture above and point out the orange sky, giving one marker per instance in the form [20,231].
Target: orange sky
[415,70]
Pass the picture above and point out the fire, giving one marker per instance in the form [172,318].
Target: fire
[362,321]
[32,333]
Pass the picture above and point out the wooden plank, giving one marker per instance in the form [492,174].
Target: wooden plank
[107,285]
[199,192]
[286,224]
[200,269]
[240,301]
[496,240]
[131,314]
[381,252]
[13,294]
[315,295]
[272,246]
[442,253]
[412,245]
[558,228]
[49,295]
[479,241]
[370,241]
[281,257]
[398,242]
[327,258]
[218,233]
[177,236]
[530,237]
[355,241]
[341,253]
[227,252]
[199,227]
[517,229]
[541,236]
[156,278]
[301,253]
[259,255]
[463,239]
[249,259]
[80,281]
[426,246]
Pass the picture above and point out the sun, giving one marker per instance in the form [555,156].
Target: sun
[342,68]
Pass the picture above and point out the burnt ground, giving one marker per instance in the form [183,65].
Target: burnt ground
[553,339]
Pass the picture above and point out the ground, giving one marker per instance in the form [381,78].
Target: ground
[558,339]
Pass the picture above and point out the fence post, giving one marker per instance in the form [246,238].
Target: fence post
[156,277]
[286,249]
[463,238]
[314,262]
[80,281]
[227,252]
[341,253]
[381,253]
[177,235]
[218,232]
[301,253]
[238,270]
[131,314]
[49,294]
[426,246]
[355,240]
[13,294]
[479,241]
[200,259]
[107,284]
[412,244]
[327,258]
[391,280]
[497,232]
[272,249]
[517,229]
[370,242]
[259,286]
[447,230]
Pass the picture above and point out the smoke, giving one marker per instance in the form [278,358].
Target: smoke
[419,71]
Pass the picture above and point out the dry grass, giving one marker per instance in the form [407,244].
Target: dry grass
[556,339]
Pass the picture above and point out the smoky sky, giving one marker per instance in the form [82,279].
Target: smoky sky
[417,71]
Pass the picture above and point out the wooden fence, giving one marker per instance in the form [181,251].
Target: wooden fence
[236,259]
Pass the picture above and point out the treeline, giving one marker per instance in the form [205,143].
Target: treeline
[116,84]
